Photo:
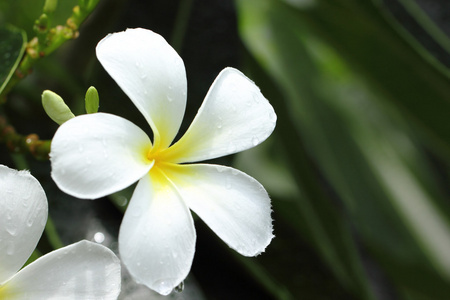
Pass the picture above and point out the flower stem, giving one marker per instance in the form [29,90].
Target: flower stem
[35,255]
[52,234]
[18,143]
[48,40]
[181,22]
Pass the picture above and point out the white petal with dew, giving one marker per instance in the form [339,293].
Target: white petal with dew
[234,205]
[98,154]
[83,270]
[234,117]
[157,235]
[151,73]
[23,215]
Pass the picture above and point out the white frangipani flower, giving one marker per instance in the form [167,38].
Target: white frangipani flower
[99,154]
[83,270]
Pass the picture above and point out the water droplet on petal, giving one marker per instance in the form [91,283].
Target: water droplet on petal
[30,221]
[11,229]
[99,237]
[231,147]
[165,286]
[228,184]
[256,98]
[43,220]
[10,248]
[179,288]
[255,141]
[170,99]
[122,201]
[272,116]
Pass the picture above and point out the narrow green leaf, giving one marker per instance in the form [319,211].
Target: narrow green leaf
[425,22]
[362,35]
[329,230]
[12,46]
[365,152]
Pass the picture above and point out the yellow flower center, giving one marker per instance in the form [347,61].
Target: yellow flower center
[6,291]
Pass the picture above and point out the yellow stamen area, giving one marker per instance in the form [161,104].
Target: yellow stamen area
[166,167]
[160,182]
[157,173]
[157,155]
[6,292]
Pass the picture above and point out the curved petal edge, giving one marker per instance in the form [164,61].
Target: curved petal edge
[233,204]
[84,270]
[157,235]
[23,215]
[98,154]
[234,117]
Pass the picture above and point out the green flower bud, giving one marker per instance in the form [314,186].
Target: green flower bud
[42,24]
[50,6]
[55,107]
[91,100]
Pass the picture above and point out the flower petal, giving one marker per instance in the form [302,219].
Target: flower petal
[98,154]
[23,214]
[152,74]
[235,116]
[234,205]
[83,270]
[157,235]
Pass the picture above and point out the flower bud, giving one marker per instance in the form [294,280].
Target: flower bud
[91,100]
[50,6]
[55,107]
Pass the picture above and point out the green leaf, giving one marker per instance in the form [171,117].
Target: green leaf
[358,138]
[425,22]
[320,220]
[391,64]
[12,46]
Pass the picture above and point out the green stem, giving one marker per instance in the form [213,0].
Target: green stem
[18,143]
[181,21]
[52,234]
[35,255]
[49,42]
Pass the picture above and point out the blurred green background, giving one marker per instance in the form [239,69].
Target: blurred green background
[358,165]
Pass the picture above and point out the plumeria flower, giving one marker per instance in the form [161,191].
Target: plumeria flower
[99,154]
[83,270]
